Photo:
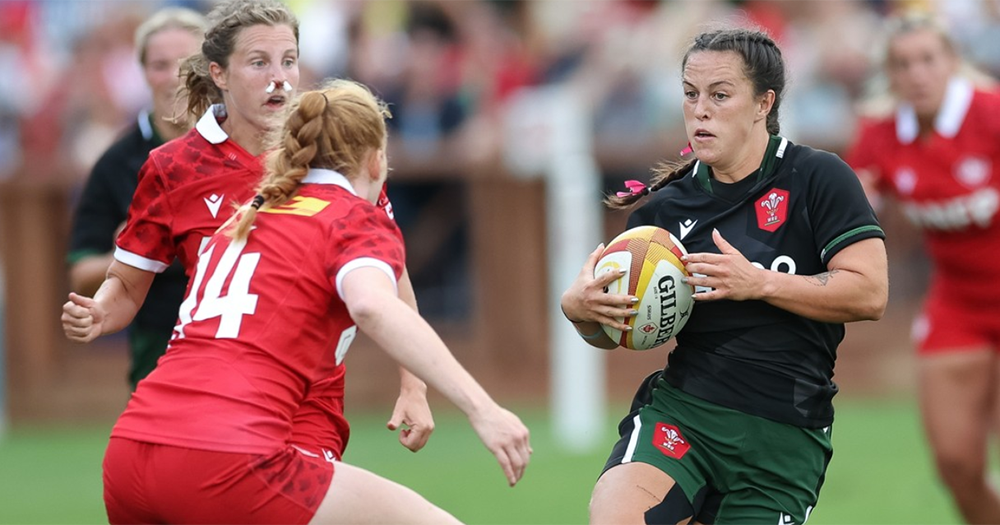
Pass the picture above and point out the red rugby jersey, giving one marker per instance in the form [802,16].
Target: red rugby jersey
[263,322]
[187,189]
[947,183]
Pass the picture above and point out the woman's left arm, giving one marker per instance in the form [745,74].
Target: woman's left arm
[855,286]
[412,414]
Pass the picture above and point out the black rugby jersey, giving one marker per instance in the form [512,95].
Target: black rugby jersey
[792,215]
[102,208]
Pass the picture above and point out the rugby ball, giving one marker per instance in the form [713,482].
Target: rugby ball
[651,258]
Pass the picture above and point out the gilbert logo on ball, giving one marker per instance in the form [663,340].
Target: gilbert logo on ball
[651,258]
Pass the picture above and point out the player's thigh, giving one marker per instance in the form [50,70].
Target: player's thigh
[638,493]
[358,496]
[775,477]
[957,394]
[752,505]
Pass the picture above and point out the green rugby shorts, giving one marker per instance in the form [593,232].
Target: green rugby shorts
[733,467]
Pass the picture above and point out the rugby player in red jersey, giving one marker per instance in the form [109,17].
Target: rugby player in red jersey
[276,299]
[187,189]
[938,156]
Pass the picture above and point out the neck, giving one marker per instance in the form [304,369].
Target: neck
[926,124]
[364,187]
[248,137]
[747,162]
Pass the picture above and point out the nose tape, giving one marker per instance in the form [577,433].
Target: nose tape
[285,86]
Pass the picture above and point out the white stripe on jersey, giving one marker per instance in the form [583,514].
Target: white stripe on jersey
[362,262]
[781,148]
[138,261]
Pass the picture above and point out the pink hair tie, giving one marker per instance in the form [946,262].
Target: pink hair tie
[634,188]
[687,150]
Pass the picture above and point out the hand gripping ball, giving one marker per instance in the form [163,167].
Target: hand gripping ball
[651,258]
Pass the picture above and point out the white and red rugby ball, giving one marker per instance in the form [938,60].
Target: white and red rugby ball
[651,258]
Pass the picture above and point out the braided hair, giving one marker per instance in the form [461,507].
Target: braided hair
[763,65]
[336,127]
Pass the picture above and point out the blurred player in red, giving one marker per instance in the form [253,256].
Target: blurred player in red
[249,62]
[162,41]
[276,300]
[939,156]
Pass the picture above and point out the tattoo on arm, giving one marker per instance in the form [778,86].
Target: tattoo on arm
[821,279]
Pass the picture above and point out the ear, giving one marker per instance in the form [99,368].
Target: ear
[218,75]
[765,104]
[374,164]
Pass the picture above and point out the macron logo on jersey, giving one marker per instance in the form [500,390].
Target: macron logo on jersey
[214,202]
[686,227]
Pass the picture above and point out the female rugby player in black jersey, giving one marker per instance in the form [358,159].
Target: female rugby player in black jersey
[783,250]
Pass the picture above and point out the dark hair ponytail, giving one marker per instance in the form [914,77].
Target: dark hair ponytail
[664,173]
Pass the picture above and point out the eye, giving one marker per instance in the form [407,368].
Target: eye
[257,63]
[720,96]
[289,62]
[690,94]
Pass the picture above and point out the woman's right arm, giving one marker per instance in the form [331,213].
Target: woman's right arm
[373,304]
[111,309]
[587,305]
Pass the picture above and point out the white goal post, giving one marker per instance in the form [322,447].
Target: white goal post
[548,134]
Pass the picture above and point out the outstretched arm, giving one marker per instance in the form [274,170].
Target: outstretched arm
[113,306]
[404,335]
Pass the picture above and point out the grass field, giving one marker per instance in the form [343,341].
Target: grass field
[880,472]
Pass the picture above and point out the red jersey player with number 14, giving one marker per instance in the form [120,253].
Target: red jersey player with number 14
[186,190]
[939,156]
[275,302]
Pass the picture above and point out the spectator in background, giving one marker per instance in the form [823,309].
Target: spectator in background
[428,115]
[162,41]
[975,26]
[426,104]
[827,47]
[938,155]
[15,55]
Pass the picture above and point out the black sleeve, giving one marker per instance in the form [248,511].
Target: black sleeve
[98,213]
[838,208]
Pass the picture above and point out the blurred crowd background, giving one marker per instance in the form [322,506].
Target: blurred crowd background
[449,69]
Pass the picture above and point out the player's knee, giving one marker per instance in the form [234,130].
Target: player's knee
[675,508]
[960,471]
